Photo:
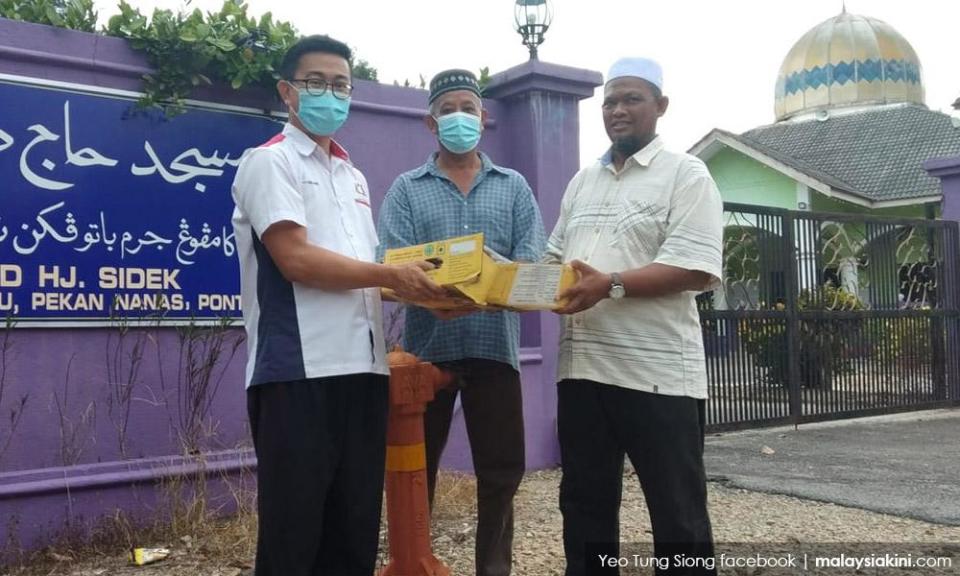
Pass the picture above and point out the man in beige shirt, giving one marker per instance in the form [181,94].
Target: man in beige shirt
[644,228]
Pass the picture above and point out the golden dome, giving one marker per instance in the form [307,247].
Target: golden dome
[848,60]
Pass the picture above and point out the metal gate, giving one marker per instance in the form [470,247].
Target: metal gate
[827,316]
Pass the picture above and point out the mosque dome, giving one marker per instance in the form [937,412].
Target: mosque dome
[848,60]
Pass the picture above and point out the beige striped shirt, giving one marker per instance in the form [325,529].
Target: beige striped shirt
[662,207]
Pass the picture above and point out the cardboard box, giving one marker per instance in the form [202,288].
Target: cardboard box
[478,277]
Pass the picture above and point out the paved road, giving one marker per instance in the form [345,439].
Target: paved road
[906,464]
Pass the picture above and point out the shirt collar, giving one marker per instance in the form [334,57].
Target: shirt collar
[431,168]
[306,146]
[643,157]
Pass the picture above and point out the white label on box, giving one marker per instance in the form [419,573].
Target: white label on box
[535,285]
[464,247]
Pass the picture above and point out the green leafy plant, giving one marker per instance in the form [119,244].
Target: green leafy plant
[191,50]
[484,78]
[903,341]
[72,14]
[185,50]
[363,70]
[823,342]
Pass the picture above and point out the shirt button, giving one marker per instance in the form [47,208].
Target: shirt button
[578,322]
[465,227]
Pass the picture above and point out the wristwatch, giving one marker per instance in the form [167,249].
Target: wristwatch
[617,291]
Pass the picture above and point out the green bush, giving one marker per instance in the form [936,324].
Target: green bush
[823,343]
[186,50]
[903,341]
[72,14]
[190,50]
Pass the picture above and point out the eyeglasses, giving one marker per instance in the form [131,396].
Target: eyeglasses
[318,86]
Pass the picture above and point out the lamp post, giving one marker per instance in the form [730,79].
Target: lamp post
[531,19]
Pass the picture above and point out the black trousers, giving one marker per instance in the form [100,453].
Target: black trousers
[493,412]
[321,449]
[663,436]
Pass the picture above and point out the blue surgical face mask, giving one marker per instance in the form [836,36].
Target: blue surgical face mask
[459,132]
[322,115]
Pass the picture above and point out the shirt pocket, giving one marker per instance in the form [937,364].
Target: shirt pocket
[495,220]
[323,213]
[641,226]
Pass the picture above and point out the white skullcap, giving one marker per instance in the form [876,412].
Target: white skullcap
[644,68]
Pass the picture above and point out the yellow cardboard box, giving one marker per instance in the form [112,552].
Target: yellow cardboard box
[474,276]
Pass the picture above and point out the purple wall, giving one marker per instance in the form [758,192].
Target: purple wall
[64,465]
[74,412]
[948,171]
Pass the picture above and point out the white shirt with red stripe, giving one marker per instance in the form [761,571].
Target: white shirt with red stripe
[296,332]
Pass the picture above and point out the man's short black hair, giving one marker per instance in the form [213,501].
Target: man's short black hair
[308,45]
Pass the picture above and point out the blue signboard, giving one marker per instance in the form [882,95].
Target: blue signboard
[108,212]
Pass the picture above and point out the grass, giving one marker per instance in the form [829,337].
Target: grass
[456,495]
[197,532]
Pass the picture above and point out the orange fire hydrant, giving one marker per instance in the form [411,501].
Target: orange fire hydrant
[412,385]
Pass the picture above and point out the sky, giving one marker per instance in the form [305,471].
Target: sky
[720,58]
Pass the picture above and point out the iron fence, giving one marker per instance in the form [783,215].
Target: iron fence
[826,316]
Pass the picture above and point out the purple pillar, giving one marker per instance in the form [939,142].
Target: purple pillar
[948,171]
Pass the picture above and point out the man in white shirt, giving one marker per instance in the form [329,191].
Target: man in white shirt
[644,228]
[316,371]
